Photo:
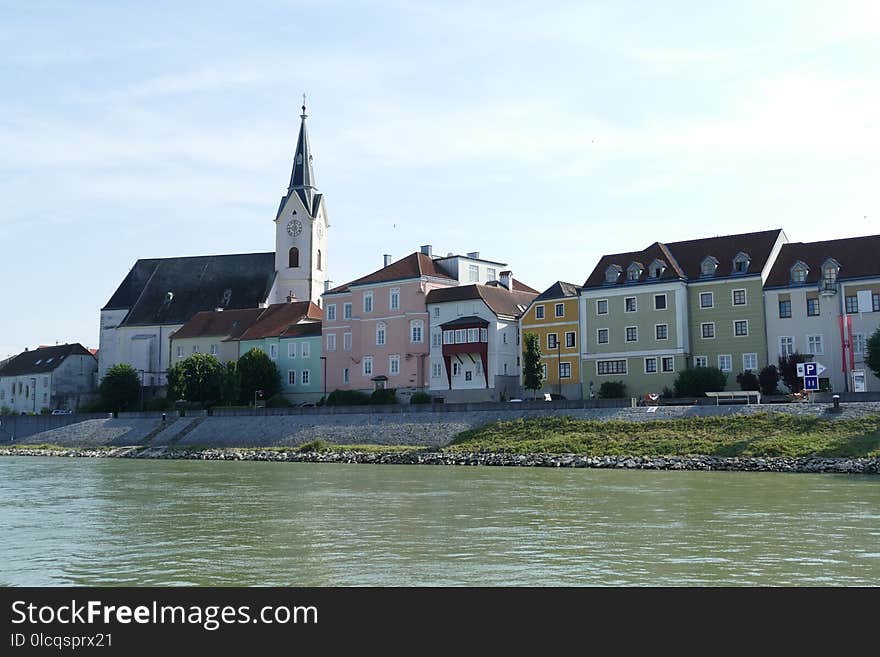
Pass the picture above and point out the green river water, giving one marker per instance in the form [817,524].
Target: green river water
[77,521]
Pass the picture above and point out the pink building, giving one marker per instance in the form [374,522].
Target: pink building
[375,329]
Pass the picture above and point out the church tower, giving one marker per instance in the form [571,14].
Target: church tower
[301,230]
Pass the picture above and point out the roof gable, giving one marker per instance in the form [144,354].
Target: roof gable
[279,318]
[856,256]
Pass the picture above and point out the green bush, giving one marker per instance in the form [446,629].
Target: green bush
[768,379]
[45,410]
[278,401]
[120,388]
[384,396]
[196,378]
[159,404]
[420,398]
[256,371]
[748,380]
[697,381]
[5,410]
[96,406]
[314,446]
[347,398]
[612,390]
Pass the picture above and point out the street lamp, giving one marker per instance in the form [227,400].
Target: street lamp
[257,392]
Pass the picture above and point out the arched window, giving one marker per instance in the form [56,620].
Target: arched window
[293,260]
[319,259]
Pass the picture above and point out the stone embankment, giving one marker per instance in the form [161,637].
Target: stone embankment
[414,457]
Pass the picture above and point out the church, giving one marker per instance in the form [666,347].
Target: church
[159,295]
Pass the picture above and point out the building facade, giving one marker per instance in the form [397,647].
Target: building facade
[554,317]
[56,377]
[213,332]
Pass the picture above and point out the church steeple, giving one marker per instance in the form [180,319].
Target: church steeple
[302,178]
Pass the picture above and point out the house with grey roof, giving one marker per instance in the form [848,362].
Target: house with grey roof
[56,377]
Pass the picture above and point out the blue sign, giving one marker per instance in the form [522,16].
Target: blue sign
[811,369]
[811,383]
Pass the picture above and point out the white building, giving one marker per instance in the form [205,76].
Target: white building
[61,376]
[476,350]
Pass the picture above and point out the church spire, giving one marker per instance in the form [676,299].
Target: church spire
[302,178]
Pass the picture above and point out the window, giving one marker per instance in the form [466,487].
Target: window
[436,312]
[707,299]
[659,302]
[604,367]
[293,257]
[551,341]
[629,304]
[741,328]
[517,336]
[668,363]
[436,370]
[852,304]
[875,302]
[473,335]
[368,302]
[612,273]
[319,267]
[474,273]
[380,334]
[394,365]
[460,336]
[750,362]
[815,345]
[195,348]
[490,273]
[602,307]
[456,368]
[651,365]
[786,345]
[305,350]
[291,350]
[180,352]
[484,335]
[468,375]
[504,337]
[661,331]
[741,263]
[632,333]
[799,272]
[45,381]
[559,310]
[859,348]
[656,269]
[539,312]
[213,350]
[394,299]
[436,338]
[725,362]
[564,370]
[633,272]
[346,375]
[701,361]
[331,342]
[291,377]
[707,330]
[449,337]
[273,351]
[602,336]
[346,310]
[739,297]
[569,339]
[812,307]
[368,365]
[784,308]
[346,341]
[331,312]
[305,376]
[416,331]
[708,266]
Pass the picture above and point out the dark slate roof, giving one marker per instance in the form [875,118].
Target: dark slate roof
[859,257]
[559,290]
[499,299]
[279,318]
[470,320]
[231,323]
[42,360]
[683,259]
[196,283]
[415,265]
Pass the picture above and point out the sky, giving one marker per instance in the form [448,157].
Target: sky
[539,134]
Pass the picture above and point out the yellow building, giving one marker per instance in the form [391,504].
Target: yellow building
[553,317]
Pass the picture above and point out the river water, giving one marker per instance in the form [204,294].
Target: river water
[125,522]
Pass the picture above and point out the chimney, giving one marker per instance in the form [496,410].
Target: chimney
[387,258]
[291,297]
[474,254]
[427,250]
[506,279]
[327,285]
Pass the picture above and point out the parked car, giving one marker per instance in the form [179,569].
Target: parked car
[62,411]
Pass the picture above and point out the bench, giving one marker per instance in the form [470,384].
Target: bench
[735,394]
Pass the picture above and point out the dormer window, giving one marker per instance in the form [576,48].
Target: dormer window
[656,269]
[612,273]
[830,270]
[708,266]
[799,272]
[741,263]
[634,271]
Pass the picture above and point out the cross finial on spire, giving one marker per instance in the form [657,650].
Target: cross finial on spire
[303,115]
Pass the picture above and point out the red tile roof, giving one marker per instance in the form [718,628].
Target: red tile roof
[499,299]
[415,265]
[859,257]
[230,323]
[279,318]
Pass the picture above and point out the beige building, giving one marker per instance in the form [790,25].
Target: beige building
[213,332]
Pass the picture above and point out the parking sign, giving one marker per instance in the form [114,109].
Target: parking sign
[811,369]
[811,383]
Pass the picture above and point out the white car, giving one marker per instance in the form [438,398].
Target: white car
[62,411]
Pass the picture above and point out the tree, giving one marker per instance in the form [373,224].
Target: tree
[612,390]
[230,388]
[120,388]
[748,380]
[872,358]
[256,371]
[768,378]
[533,372]
[197,378]
[697,381]
[788,370]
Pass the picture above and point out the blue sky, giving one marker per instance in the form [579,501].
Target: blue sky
[540,134]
